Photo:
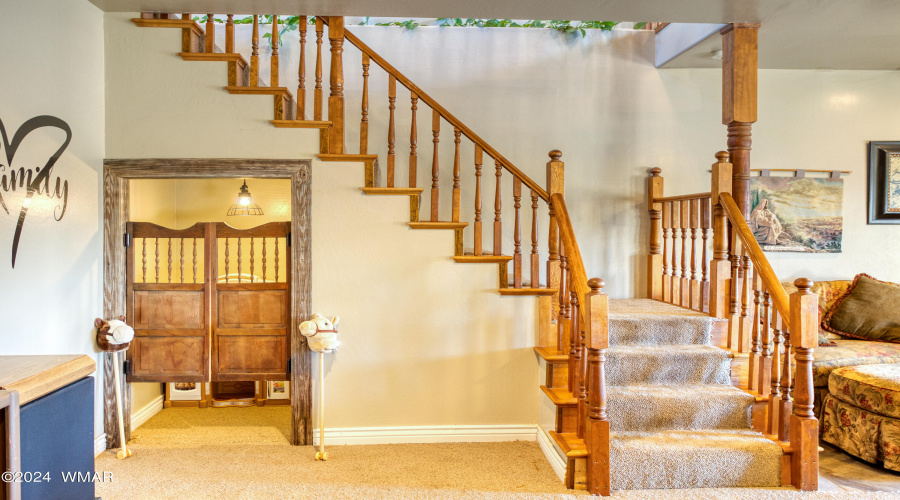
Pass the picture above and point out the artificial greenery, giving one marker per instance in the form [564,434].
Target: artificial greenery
[291,23]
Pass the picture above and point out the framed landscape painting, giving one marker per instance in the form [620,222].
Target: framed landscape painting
[884,182]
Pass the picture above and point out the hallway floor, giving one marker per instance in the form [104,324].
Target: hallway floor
[243,453]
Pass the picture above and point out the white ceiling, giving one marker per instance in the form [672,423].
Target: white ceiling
[813,34]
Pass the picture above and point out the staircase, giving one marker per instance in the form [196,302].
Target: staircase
[643,391]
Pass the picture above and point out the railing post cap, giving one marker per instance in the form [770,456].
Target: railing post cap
[596,284]
[803,284]
[555,155]
[655,171]
[723,156]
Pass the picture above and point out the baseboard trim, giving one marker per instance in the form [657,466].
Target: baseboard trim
[556,461]
[152,408]
[428,434]
[99,444]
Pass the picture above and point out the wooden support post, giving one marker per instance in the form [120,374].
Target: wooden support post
[720,268]
[479,158]
[336,98]
[254,53]
[435,165]
[364,122]
[301,71]
[739,80]
[596,307]
[317,90]
[555,184]
[210,34]
[655,256]
[229,34]
[804,426]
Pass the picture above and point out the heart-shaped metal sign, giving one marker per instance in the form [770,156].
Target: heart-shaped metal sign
[34,181]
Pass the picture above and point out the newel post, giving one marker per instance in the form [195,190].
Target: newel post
[597,430]
[336,98]
[555,185]
[655,257]
[804,431]
[720,267]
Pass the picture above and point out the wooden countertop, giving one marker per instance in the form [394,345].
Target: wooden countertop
[35,376]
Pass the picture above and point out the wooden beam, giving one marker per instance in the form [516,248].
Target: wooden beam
[739,83]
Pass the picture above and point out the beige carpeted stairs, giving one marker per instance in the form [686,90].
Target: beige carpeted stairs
[676,420]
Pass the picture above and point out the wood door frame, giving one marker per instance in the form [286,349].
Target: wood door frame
[116,176]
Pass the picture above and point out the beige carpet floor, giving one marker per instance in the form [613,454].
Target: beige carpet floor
[243,453]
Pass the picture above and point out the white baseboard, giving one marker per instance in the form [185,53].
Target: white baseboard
[427,434]
[100,444]
[152,408]
[556,461]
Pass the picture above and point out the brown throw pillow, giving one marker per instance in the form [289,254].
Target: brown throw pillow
[870,311]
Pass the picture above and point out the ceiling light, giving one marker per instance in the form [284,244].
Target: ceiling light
[243,204]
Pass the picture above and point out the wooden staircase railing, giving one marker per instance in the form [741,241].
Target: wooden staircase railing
[778,332]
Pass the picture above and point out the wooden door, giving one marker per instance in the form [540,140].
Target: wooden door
[167,301]
[250,309]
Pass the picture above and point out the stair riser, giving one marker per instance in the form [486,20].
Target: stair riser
[566,419]
[557,375]
[677,367]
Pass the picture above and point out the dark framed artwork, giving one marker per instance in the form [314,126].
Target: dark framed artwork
[884,182]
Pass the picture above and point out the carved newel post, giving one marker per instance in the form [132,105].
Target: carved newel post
[804,425]
[720,268]
[596,437]
[655,256]
[336,99]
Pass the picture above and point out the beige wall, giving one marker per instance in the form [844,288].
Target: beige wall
[52,63]
[428,342]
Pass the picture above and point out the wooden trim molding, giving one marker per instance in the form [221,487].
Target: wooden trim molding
[117,173]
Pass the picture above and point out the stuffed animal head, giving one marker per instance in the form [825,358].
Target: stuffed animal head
[113,335]
[321,333]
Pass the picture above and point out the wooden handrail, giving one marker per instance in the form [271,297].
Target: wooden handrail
[573,254]
[427,99]
[697,196]
[776,291]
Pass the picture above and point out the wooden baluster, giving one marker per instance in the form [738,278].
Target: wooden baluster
[317,91]
[695,302]
[210,34]
[655,259]
[764,382]
[745,333]
[364,123]
[251,260]
[274,77]
[563,345]
[195,260]
[143,260]
[435,169]
[804,433]
[572,333]
[456,193]
[240,261]
[535,275]
[477,227]
[785,405]
[517,234]
[392,98]
[276,260]
[582,372]
[734,322]
[227,260]
[498,225]
[775,393]
[169,275]
[597,432]
[413,138]
[753,370]
[685,282]
[666,271]
[157,260]
[254,54]
[676,270]
[555,185]
[229,34]
[264,260]
[719,268]
[336,98]
[704,280]
[301,75]
[578,380]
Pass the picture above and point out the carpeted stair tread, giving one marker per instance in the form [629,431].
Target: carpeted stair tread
[649,322]
[693,459]
[667,364]
[653,407]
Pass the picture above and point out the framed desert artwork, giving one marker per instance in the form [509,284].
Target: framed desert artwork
[884,182]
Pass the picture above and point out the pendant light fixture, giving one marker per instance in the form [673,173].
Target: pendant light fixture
[243,204]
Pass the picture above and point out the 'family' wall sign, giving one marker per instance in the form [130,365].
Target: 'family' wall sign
[35,181]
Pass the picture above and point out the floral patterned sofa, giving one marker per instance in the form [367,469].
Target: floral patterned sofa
[857,383]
